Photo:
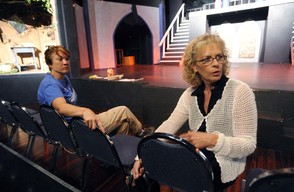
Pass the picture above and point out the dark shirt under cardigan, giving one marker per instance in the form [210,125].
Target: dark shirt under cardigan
[216,94]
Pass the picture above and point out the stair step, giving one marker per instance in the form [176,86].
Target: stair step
[170,57]
[182,30]
[181,33]
[174,52]
[180,40]
[178,44]
[169,61]
[185,21]
[176,49]
[186,25]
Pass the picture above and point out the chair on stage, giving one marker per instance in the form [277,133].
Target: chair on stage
[118,151]
[29,123]
[262,180]
[58,131]
[174,162]
[8,119]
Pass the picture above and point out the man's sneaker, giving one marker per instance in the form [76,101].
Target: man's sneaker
[147,131]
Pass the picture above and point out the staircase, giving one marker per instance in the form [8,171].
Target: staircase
[175,39]
[292,46]
[175,48]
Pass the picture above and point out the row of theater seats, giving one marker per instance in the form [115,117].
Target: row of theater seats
[166,158]
[118,151]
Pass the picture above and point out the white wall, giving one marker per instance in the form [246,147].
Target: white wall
[243,40]
[104,17]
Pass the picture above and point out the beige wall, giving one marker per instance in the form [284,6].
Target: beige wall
[38,37]
[104,18]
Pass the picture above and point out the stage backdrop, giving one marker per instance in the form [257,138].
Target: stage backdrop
[256,32]
[104,18]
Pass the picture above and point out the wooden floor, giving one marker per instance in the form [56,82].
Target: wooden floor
[69,166]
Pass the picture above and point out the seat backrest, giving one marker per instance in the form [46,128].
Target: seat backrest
[273,181]
[6,114]
[57,127]
[26,121]
[95,143]
[173,161]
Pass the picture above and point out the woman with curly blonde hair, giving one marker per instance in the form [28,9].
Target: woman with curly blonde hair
[191,52]
[221,111]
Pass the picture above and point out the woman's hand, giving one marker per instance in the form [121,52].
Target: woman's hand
[200,139]
[137,169]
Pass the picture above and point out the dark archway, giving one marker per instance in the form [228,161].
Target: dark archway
[134,37]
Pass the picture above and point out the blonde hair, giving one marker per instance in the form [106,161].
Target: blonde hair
[190,56]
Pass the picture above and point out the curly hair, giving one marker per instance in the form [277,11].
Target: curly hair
[59,50]
[190,56]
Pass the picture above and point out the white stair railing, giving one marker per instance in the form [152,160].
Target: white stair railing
[169,34]
[292,46]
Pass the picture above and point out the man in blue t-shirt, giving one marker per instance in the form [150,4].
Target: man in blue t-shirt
[56,90]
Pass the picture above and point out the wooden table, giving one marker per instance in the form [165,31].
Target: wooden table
[22,50]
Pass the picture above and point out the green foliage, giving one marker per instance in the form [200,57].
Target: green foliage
[46,4]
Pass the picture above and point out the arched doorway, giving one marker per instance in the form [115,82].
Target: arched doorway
[134,37]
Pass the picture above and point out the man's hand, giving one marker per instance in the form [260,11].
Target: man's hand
[91,120]
[66,109]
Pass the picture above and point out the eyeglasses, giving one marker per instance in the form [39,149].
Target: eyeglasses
[209,60]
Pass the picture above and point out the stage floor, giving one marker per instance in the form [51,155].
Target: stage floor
[258,76]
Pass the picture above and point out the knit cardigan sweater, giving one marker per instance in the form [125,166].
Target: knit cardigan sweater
[233,118]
